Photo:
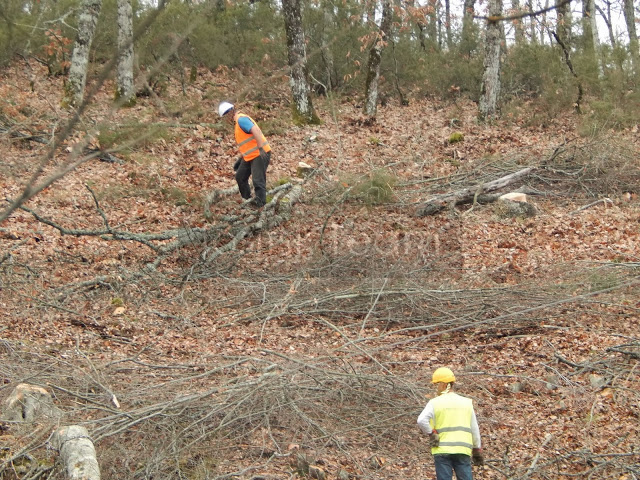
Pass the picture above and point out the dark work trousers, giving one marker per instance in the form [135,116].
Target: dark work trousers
[447,463]
[257,170]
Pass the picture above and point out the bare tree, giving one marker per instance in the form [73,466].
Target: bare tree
[370,12]
[304,112]
[447,22]
[420,15]
[87,22]
[607,17]
[327,53]
[488,106]
[125,92]
[629,17]
[532,24]
[519,27]
[543,22]
[432,13]
[468,41]
[375,56]
[589,28]
[563,21]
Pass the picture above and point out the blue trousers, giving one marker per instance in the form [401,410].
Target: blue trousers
[447,463]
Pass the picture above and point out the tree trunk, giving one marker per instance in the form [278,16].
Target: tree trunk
[594,25]
[567,59]
[519,27]
[589,29]
[544,22]
[87,22]
[375,56]
[563,21]
[303,108]
[629,18]
[432,25]
[327,53]
[488,107]
[532,24]
[370,11]
[606,16]
[422,35]
[124,90]
[447,20]
[468,40]
[77,453]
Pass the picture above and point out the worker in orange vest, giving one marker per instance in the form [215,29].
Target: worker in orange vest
[255,153]
[450,422]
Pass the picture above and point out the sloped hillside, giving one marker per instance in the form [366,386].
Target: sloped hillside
[243,343]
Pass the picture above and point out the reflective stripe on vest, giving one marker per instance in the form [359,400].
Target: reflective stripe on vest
[453,423]
[247,144]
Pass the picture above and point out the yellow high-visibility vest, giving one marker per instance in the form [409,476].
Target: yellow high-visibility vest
[453,423]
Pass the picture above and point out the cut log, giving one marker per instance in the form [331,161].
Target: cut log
[77,453]
[514,197]
[467,195]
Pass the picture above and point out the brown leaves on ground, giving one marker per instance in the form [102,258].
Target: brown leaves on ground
[327,327]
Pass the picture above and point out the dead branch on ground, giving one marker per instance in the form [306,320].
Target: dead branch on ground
[467,195]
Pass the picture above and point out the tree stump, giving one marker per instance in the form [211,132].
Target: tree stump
[506,208]
[304,170]
[29,403]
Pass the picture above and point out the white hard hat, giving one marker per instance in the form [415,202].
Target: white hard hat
[224,108]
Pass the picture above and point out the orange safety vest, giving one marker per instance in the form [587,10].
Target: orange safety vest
[247,144]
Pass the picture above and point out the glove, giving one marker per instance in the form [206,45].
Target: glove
[263,154]
[236,165]
[434,440]
[476,456]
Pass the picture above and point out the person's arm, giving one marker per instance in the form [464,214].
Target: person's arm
[257,134]
[477,457]
[475,431]
[425,419]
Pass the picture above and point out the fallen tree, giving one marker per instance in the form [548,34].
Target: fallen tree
[477,193]
[244,224]
[77,453]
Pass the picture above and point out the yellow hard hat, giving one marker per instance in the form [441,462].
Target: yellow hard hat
[444,375]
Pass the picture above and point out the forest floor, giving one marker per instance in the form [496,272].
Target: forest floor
[317,337]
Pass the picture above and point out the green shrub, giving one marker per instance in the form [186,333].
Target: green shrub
[375,188]
[127,137]
[616,108]
[175,195]
[255,30]
[456,137]
[447,72]
[117,302]
[533,70]
[602,280]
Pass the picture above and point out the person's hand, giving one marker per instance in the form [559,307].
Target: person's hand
[263,154]
[434,440]
[236,165]
[476,456]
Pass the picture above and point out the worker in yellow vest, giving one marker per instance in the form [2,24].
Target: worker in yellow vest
[454,436]
[255,153]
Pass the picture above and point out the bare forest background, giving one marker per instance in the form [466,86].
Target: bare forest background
[182,334]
